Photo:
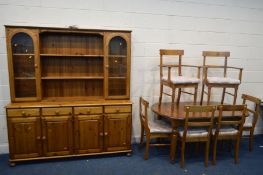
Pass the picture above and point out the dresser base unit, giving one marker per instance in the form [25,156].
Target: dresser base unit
[47,130]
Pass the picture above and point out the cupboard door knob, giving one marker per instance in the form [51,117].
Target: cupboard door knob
[101,134]
[106,133]
[107,66]
[44,138]
[38,137]
[36,66]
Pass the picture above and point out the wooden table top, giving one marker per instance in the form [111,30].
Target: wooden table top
[176,112]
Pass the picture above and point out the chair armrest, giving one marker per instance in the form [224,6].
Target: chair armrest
[213,66]
[170,65]
[185,65]
[230,67]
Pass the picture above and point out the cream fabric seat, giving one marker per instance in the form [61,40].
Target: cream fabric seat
[222,80]
[182,80]
[159,127]
[194,132]
[226,131]
[247,125]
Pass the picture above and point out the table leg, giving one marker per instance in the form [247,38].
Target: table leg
[173,142]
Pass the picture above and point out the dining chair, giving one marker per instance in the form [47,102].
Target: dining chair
[253,114]
[217,81]
[150,129]
[197,128]
[230,127]
[176,81]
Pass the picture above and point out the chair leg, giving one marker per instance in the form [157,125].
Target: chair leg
[223,95]
[235,96]
[179,95]
[173,147]
[195,94]
[182,154]
[173,95]
[147,148]
[237,149]
[209,95]
[202,94]
[207,152]
[142,135]
[251,140]
[161,93]
[214,151]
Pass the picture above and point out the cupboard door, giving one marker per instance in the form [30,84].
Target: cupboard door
[24,137]
[23,56]
[117,66]
[117,132]
[57,135]
[88,134]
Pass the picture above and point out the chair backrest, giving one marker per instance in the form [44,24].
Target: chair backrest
[143,109]
[217,54]
[255,111]
[165,52]
[230,116]
[199,116]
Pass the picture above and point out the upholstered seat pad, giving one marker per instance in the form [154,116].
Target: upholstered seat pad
[247,125]
[182,80]
[159,127]
[226,131]
[222,80]
[194,132]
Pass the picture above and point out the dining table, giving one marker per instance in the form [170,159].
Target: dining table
[175,113]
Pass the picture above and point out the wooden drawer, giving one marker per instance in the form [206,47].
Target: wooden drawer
[57,111]
[23,112]
[117,109]
[88,110]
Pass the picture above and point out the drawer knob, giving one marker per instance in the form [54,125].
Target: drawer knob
[57,112]
[117,110]
[23,113]
[88,112]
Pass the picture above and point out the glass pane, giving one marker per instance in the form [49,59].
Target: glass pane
[117,87]
[23,65]
[22,43]
[117,67]
[25,88]
[118,46]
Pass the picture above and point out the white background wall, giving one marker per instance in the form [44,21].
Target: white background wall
[192,25]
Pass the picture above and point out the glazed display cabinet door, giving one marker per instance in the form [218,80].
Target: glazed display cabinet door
[88,134]
[24,137]
[117,132]
[118,67]
[23,65]
[57,135]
